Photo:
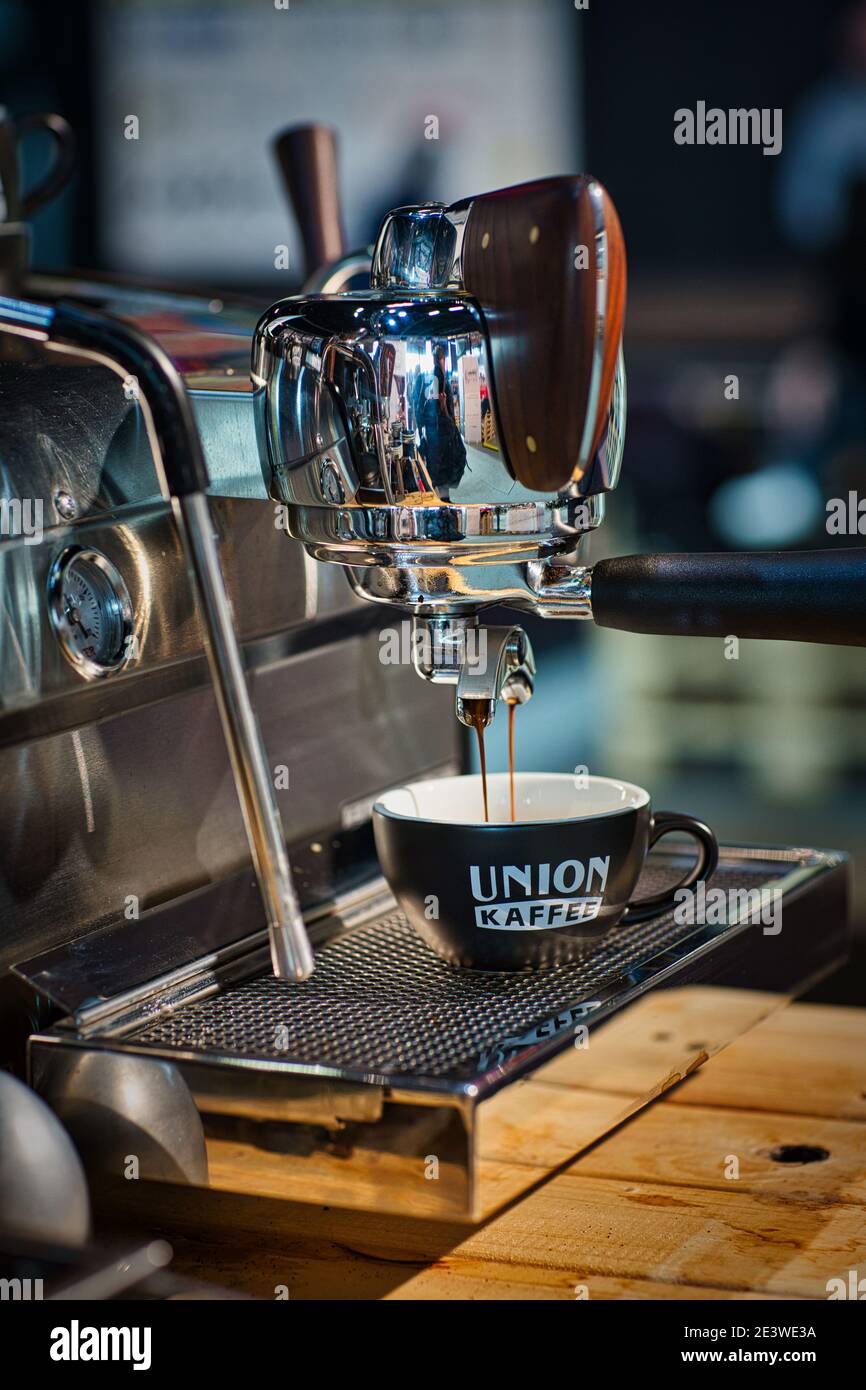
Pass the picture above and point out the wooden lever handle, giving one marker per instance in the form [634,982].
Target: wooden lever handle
[536,257]
[307,156]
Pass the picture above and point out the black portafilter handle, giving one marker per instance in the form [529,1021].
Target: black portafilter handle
[782,595]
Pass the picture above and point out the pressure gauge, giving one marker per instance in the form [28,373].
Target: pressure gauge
[91,612]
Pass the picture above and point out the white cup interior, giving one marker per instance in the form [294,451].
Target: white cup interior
[539,796]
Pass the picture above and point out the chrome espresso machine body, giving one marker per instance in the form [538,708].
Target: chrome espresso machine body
[447,438]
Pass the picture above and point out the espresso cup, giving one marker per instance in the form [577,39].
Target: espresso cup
[506,895]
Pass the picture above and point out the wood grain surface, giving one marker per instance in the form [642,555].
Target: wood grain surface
[651,1211]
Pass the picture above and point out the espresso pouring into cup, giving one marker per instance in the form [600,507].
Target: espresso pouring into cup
[504,895]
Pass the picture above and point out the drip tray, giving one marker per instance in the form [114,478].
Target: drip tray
[382,1004]
[385,1081]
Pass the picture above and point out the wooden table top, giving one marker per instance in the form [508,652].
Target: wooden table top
[692,1198]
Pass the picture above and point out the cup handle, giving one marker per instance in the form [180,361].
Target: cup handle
[62,166]
[665,823]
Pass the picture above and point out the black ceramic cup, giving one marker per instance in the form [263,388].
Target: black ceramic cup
[517,895]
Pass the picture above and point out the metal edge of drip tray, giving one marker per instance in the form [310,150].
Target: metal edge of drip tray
[376,1102]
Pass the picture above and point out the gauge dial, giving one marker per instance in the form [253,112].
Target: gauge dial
[91,611]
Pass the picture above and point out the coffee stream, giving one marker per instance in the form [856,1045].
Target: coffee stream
[512,706]
[476,710]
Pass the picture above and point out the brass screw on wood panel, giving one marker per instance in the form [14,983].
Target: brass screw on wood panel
[533,236]
[485,241]
[531,444]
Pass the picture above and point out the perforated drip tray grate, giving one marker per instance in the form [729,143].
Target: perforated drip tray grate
[381,1005]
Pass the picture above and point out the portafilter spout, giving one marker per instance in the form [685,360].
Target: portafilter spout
[506,672]
[487,664]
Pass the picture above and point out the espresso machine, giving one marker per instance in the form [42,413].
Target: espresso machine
[214,519]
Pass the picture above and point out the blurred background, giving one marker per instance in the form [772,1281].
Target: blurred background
[746,321]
